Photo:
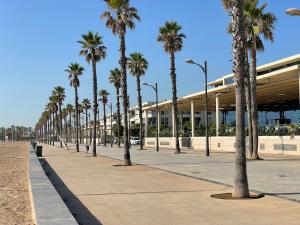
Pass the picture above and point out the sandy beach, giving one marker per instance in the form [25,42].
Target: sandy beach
[15,206]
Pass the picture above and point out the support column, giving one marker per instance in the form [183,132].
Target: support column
[146,124]
[158,121]
[173,122]
[217,115]
[193,118]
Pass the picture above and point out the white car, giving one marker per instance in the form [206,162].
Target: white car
[134,140]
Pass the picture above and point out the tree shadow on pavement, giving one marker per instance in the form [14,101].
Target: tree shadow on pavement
[82,214]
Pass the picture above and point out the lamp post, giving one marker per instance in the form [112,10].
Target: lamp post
[155,88]
[204,69]
[111,117]
[293,12]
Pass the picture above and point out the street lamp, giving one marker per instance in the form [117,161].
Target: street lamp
[111,116]
[293,12]
[155,88]
[204,69]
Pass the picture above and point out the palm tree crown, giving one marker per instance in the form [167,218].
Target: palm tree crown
[74,70]
[103,94]
[70,108]
[86,103]
[92,47]
[59,92]
[120,16]
[137,64]
[170,35]
[115,77]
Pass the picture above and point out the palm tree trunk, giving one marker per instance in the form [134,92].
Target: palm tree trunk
[127,160]
[118,116]
[70,127]
[240,188]
[60,122]
[174,100]
[254,100]
[53,125]
[95,105]
[248,103]
[80,128]
[76,118]
[66,128]
[139,98]
[86,126]
[104,118]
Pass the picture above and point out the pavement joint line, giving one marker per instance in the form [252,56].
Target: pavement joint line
[193,177]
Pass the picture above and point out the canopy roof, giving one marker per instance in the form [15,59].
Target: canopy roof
[277,90]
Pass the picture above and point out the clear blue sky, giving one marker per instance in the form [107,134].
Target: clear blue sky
[39,39]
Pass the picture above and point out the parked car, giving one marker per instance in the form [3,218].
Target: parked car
[134,140]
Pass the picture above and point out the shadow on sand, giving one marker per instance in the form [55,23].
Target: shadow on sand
[82,215]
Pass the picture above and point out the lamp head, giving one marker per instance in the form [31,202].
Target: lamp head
[190,61]
[293,12]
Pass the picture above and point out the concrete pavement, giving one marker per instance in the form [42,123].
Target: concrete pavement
[141,195]
[275,175]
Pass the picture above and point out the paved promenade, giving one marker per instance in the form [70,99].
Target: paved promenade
[275,175]
[139,195]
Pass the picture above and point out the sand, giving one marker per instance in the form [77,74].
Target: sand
[15,204]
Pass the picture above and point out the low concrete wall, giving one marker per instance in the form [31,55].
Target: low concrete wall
[267,144]
[49,208]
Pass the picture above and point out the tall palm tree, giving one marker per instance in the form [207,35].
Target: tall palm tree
[86,104]
[70,110]
[59,93]
[104,94]
[239,46]
[172,39]
[94,51]
[258,23]
[75,70]
[53,110]
[80,111]
[115,79]
[64,114]
[120,17]
[137,66]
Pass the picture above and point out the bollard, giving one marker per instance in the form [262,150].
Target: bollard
[87,148]
[39,151]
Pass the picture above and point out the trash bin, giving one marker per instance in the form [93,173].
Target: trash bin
[39,151]
[87,148]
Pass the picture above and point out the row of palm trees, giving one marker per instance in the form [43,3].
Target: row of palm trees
[249,23]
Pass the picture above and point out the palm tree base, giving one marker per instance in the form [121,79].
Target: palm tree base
[127,162]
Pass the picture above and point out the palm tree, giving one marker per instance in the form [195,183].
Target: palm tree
[258,22]
[80,110]
[70,110]
[53,110]
[94,51]
[86,104]
[115,79]
[170,35]
[59,93]
[235,9]
[119,18]
[75,70]
[104,94]
[64,114]
[137,66]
